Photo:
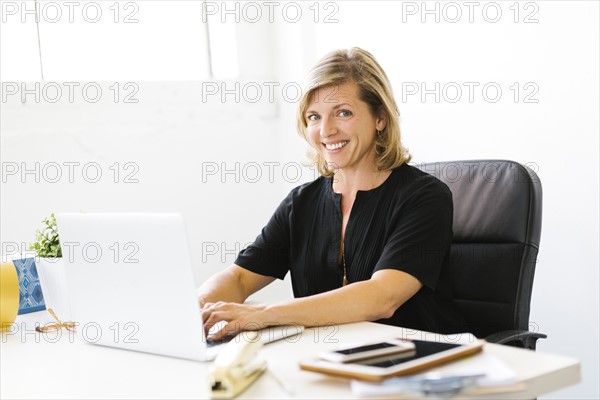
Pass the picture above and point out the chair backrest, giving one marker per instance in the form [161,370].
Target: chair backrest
[497,227]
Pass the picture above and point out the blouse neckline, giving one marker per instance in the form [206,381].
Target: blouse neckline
[361,193]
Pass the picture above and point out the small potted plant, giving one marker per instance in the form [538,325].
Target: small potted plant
[47,244]
[50,267]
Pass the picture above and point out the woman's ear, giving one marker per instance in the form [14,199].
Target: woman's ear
[381,121]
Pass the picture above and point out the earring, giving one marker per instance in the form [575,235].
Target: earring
[379,143]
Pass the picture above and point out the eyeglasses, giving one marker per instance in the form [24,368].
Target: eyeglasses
[58,325]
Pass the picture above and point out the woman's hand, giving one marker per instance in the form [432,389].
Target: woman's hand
[239,317]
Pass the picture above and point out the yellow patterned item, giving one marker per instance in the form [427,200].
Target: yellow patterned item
[9,295]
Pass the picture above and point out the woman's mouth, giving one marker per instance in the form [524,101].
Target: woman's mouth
[335,146]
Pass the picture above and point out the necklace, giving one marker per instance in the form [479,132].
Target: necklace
[345,279]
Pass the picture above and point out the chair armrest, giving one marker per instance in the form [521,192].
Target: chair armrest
[517,338]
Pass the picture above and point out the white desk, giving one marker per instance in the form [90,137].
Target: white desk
[38,366]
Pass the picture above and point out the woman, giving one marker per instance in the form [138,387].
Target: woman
[368,240]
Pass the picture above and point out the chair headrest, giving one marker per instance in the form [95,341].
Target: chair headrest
[495,201]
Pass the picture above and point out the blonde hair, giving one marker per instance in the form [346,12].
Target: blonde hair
[358,66]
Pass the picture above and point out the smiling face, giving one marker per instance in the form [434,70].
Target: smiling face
[342,128]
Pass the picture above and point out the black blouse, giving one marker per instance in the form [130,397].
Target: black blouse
[403,224]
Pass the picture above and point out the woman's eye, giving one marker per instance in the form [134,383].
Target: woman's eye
[313,117]
[344,113]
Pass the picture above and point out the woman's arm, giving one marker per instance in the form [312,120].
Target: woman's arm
[370,300]
[234,284]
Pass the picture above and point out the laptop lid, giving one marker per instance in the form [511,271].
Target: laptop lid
[131,284]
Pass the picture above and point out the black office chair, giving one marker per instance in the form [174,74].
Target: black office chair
[497,227]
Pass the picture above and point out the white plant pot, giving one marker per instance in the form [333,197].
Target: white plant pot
[54,286]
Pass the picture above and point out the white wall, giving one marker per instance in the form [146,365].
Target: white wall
[172,133]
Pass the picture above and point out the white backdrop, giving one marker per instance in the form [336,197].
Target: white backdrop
[226,158]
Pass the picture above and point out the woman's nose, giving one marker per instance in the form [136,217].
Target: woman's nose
[327,127]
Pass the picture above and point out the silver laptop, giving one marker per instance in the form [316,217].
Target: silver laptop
[131,286]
